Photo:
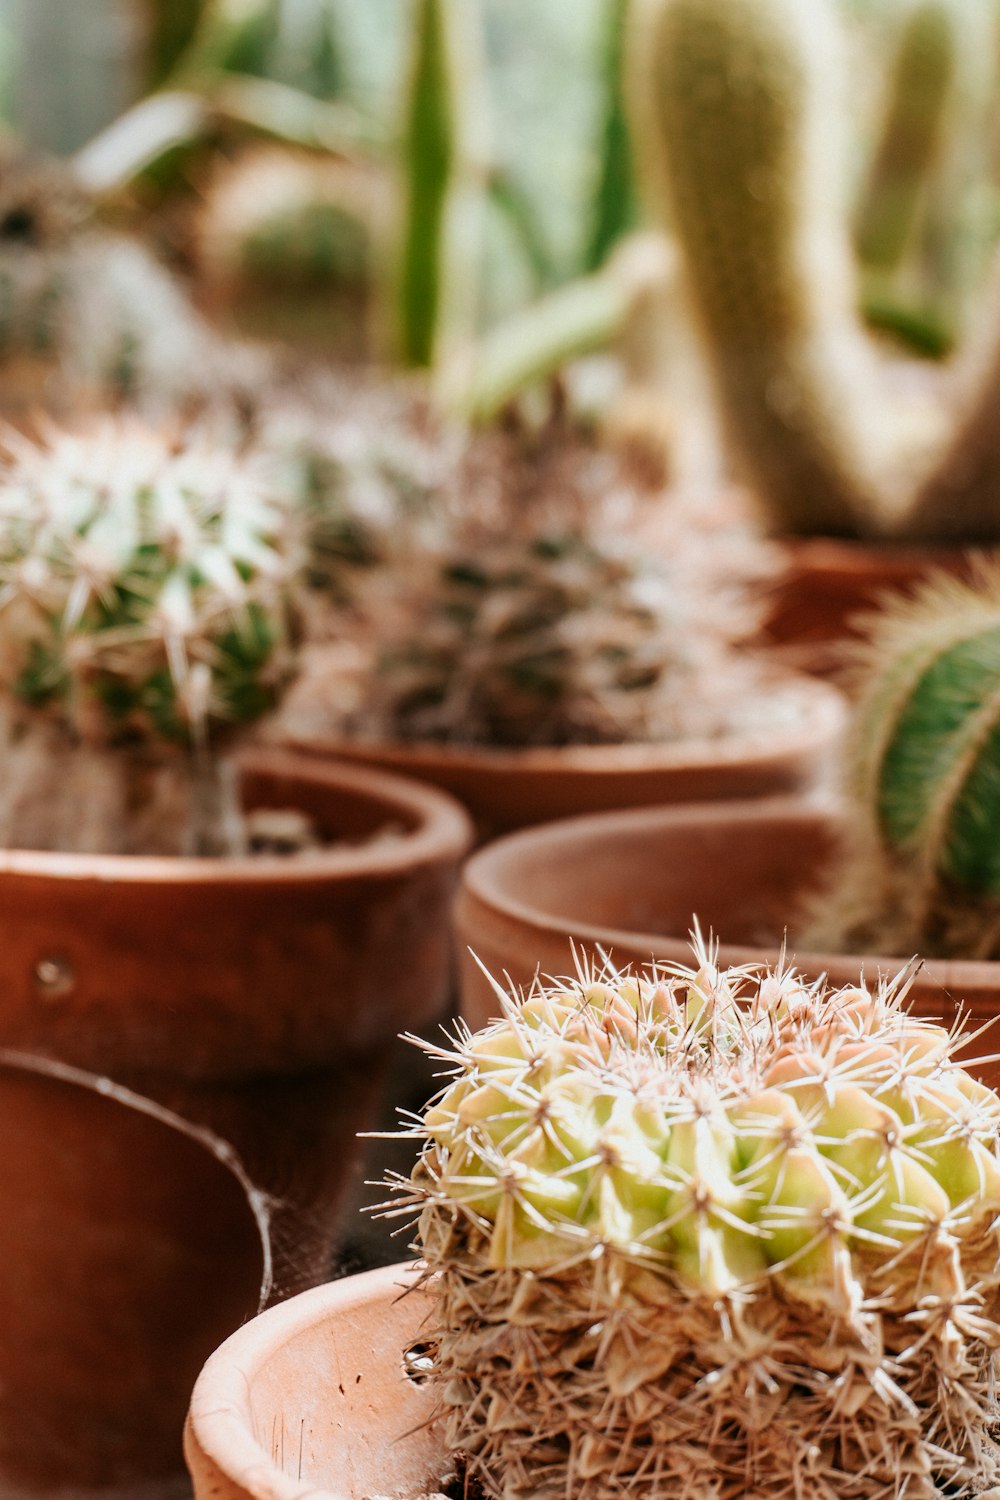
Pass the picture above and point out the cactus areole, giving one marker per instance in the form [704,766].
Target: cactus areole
[718,1235]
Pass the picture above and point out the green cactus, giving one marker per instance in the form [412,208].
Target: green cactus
[921,871]
[736,126]
[88,319]
[552,611]
[712,1234]
[144,604]
[737,123]
[916,118]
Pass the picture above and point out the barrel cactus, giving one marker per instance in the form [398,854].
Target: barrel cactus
[712,1234]
[145,616]
[561,607]
[921,871]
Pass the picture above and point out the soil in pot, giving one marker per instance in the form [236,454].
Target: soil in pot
[631,884]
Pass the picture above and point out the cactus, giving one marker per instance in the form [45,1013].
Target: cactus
[87,318]
[737,124]
[548,612]
[921,870]
[284,244]
[144,613]
[705,1233]
[916,117]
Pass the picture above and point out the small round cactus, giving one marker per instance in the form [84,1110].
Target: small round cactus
[550,611]
[705,1233]
[144,592]
[921,871]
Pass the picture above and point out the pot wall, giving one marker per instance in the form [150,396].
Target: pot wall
[505,790]
[310,1401]
[632,884]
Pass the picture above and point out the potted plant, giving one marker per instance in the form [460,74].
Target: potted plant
[146,617]
[905,866]
[739,126]
[721,1230]
[540,633]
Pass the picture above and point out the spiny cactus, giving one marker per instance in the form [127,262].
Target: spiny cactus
[537,614]
[713,1234]
[87,318]
[144,609]
[738,114]
[921,870]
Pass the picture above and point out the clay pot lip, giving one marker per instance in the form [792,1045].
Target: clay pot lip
[825,717]
[443,833]
[860,555]
[219,1415]
[486,880]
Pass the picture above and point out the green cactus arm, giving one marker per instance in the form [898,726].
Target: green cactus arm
[444,180]
[916,116]
[736,131]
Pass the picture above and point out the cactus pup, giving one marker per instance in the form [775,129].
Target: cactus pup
[713,1234]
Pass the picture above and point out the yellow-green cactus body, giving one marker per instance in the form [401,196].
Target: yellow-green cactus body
[714,1235]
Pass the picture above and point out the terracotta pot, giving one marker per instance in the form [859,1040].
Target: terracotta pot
[311,1399]
[630,884]
[509,789]
[826,584]
[255,999]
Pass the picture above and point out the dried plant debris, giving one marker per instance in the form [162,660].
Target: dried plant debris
[714,1235]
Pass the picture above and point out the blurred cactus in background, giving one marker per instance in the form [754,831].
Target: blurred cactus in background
[145,617]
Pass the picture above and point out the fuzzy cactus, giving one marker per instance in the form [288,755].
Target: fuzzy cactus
[921,870]
[736,125]
[738,115]
[553,610]
[705,1233]
[144,613]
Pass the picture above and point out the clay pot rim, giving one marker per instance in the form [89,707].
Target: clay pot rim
[825,716]
[483,880]
[219,1414]
[443,831]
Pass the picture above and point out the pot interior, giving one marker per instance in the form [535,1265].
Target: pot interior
[744,874]
[330,1403]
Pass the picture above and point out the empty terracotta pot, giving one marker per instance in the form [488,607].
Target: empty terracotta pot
[312,1399]
[254,999]
[630,884]
[506,789]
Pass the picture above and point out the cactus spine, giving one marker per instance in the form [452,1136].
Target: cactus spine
[144,607]
[922,871]
[713,1234]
